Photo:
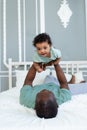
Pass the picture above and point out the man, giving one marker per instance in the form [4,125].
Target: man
[45,98]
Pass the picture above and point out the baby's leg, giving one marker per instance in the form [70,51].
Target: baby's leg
[38,67]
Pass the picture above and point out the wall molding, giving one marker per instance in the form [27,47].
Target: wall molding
[86,23]
[42,16]
[22,48]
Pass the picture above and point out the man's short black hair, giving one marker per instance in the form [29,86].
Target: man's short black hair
[46,108]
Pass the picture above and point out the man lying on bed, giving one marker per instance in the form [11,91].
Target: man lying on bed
[45,98]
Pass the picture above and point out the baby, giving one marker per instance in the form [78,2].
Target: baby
[45,53]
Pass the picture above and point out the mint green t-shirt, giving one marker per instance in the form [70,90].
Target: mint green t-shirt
[28,94]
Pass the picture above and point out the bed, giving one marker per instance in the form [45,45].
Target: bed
[71,115]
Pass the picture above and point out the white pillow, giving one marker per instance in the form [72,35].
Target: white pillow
[78,77]
[68,76]
[39,79]
[20,77]
[21,74]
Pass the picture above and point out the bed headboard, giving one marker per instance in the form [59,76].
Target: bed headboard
[69,67]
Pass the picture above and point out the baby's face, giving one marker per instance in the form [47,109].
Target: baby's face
[43,49]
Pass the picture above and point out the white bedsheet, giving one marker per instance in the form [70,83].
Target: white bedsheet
[72,115]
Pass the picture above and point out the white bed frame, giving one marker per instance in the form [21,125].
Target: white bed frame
[67,66]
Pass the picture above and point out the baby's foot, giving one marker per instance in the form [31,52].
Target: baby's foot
[39,70]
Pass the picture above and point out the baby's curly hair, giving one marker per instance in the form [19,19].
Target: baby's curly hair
[43,37]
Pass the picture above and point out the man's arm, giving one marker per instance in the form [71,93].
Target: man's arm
[61,77]
[30,76]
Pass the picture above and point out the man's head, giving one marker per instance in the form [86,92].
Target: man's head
[46,105]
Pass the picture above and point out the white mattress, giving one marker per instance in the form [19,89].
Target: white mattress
[72,115]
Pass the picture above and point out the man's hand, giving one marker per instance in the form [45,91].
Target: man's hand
[55,62]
